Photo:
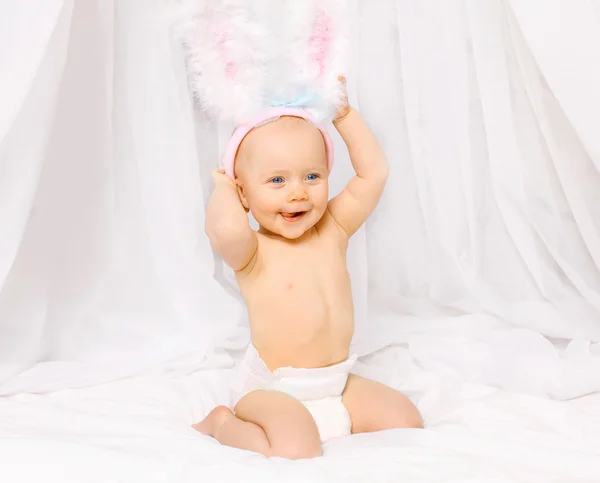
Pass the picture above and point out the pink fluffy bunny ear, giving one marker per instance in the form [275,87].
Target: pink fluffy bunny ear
[227,54]
[318,45]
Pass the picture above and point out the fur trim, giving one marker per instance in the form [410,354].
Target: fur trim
[318,46]
[239,63]
[226,55]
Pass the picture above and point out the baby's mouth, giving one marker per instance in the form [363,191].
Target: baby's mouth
[293,217]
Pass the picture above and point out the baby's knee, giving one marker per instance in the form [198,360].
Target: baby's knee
[296,450]
[406,415]
[414,420]
[290,429]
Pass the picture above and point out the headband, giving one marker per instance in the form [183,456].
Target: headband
[247,71]
[269,115]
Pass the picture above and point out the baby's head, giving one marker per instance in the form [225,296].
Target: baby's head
[282,171]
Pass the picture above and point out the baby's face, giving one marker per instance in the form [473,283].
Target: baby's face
[282,171]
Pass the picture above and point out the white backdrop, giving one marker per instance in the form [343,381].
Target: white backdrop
[484,252]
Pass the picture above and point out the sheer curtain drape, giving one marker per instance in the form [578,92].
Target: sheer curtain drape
[494,203]
[484,252]
[105,269]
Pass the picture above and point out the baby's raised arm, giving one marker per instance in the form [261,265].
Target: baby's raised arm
[227,224]
[352,207]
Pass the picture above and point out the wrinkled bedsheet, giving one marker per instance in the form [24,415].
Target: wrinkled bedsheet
[482,425]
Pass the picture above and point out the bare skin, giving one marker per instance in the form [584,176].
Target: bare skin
[270,423]
[293,276]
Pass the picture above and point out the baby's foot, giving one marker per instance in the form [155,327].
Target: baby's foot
[215,419]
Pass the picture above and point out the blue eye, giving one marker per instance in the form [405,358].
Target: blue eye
[277,180]
[311,177]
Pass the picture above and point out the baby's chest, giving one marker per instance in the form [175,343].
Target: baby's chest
[305,270]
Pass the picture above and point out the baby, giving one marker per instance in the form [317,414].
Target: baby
[295,388]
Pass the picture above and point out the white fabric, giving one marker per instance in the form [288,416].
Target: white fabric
[476,282]
[304,384]
[319,389]
[104,265]
[138,431]
[331,417]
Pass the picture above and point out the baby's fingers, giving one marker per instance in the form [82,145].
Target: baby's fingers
[219,176]
[343,109]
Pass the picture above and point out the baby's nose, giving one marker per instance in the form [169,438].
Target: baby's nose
[297,193]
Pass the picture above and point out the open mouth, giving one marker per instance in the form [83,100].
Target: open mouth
[293,217]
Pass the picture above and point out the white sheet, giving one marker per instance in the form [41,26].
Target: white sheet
[138,430]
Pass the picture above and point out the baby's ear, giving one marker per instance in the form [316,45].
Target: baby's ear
[240,190]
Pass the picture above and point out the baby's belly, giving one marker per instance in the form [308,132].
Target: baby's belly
[302,331]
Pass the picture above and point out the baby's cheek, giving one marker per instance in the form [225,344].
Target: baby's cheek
[324,194]
[263,199]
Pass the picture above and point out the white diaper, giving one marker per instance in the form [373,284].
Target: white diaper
[320,389]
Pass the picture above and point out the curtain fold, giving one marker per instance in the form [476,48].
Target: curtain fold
[492,201]
[31,69]
[113,272]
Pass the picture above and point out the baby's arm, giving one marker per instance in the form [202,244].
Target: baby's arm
[227,224]
[352,207]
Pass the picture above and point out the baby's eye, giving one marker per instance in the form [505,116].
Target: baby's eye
[277,180]
[311,177]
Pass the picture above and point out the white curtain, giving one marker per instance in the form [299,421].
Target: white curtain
[484,252]
[104,266]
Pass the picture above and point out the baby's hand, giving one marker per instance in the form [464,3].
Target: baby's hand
[219,177]
[344,109]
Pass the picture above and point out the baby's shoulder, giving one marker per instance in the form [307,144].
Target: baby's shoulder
[329,229]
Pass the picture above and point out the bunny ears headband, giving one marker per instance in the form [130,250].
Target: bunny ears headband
[246,69]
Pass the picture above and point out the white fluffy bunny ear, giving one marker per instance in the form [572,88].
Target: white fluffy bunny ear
[227,55]
[319,41]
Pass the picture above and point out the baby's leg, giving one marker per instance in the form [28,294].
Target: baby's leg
[374,406]
[270,423]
